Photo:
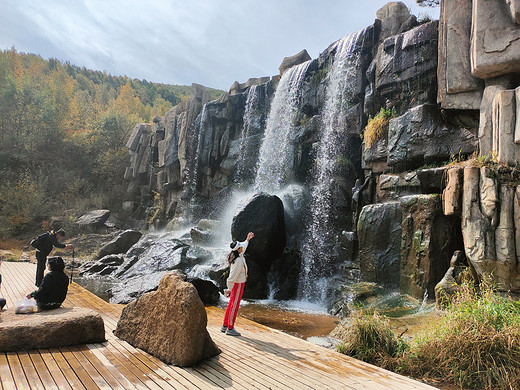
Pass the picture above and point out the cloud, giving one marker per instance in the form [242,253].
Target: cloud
[212,42]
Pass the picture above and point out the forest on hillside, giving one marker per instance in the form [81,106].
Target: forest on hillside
[63,131]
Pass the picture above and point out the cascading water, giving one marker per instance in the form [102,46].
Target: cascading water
[319,238]
[250,123]
[277,151]
[192,167]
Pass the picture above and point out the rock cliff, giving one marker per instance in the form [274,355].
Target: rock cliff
[450,89]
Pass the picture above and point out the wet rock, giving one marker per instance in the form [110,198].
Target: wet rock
[402,78]
[379,234]
[205,232]
[262,214]
[169,323]
[207,290]
[104,266]
[120,244]
[153,253]
[449,285]
[428,240]
[195,255]
[421,137]
[282,276]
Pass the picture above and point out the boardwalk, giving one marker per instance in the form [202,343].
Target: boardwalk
[262,358]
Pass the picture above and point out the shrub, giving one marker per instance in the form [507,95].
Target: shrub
[377,126]
[369,338]
[476,346]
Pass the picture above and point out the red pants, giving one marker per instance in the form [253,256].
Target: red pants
[234,303]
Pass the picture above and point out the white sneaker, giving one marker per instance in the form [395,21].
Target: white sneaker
[232,332]
[223,329]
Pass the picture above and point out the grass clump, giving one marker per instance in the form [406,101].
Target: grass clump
[377,126]
[476,345]
[368,337]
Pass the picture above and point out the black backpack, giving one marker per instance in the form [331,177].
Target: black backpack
[37,241]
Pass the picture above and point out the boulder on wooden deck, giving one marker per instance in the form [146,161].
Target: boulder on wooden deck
[50,329]
[169,323]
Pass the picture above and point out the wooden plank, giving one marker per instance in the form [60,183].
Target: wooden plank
[262,358]
[133,365]
[121,364]
[6,376]
[54,370]
[66,369]
[97,372]
[16,369]
[271,367]
[41,369]
[96,351]
[30,371]
[274,366]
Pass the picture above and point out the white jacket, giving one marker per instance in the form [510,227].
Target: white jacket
[238,270]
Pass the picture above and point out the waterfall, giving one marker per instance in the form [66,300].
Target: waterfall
[250,119]
[277,151]
[192,181]
[317,247]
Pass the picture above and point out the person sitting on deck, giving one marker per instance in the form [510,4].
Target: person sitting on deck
[2,300]
[53,290]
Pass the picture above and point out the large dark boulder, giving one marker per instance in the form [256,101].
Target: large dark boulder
[207,290]
[262,214]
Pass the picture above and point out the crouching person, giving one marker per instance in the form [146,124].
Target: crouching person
[53,290]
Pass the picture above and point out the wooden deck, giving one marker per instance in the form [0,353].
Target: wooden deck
[262,358]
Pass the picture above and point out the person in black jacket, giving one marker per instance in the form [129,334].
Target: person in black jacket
[2,300]
[46,243]
[53,289]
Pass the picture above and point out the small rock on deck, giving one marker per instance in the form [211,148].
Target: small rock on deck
[262,358]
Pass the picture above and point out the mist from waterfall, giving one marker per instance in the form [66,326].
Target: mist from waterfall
[320,237]
[276,157]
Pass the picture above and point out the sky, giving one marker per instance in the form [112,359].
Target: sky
[209,42]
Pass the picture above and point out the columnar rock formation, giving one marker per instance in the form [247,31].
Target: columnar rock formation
[452,90]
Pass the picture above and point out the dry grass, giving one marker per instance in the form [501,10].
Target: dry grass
[369,338]
[376,127]
[476,345]
[10,244]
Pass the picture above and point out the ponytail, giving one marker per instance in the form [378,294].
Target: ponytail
[233,254]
